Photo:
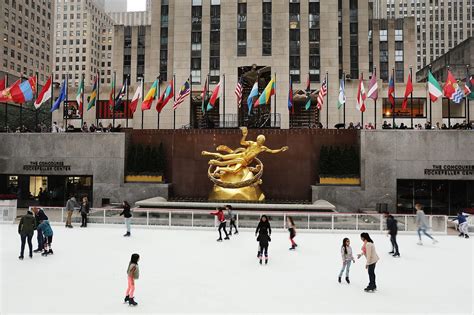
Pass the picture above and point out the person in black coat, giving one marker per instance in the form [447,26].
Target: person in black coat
[84,210]
[127,214]
[264,232]
[392,231]
[26,229]
[39,216]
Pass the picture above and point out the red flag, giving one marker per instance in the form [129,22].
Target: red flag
[6,94]
[449,87]
[3,83]
[408,91]
[391,92]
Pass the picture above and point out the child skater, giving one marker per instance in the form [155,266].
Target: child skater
[347,259]
[368,250]
[292,230]
[47,231]
[463,226]
[132,274]
[264,231]
[222,223]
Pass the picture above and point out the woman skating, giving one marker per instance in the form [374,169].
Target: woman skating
[127,214]
[222,224]
[368,250]
[133,274]
[264,232]
[84,210]
[347,259]
[26,229]
[292,229]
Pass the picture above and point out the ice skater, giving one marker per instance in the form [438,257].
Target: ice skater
[264,232]
[26,229]
[392,227]
[368,250]
[127,215]
[422,224]
[84,210]
[222,223]
[70,204]
[39,216]
[232,219]
[292,229]
[463,225]
[47,231]
[347,259]
[133,274]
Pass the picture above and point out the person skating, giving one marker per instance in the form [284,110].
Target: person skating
[39,216]
[232,218]
[463,226]
[84,210]
[26,229]
[368,250]
[47,231]
[264,231]
[222,223]
[133,274]
[347,259]
[127,214]
[70,204]
[392,227]
[292,229]
[422,224]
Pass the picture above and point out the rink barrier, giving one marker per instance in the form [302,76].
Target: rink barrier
[308,221]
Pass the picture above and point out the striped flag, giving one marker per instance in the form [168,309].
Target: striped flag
[373,88]
[361,96]
[342,95]
[290,98]
[238,91]
[79,96]
[214,96]
[136,97]
[45,94]
[391,92]
[322,93]
[434,88]
[93,97]
[183,93]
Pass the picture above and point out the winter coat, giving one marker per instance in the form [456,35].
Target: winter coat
[27,224]
[263,239]
[126,212]
[220,216]
[370,253]
[461,218]
[421,221]
[392,225]
[71,203]
[40,216]
[136,273]
[264,228]
[230,215]
[46,228]
[84,208]
[348,256]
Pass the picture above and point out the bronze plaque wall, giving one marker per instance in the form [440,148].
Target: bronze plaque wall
[287,176]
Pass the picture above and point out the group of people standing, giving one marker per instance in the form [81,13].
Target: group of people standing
[84,209]
[35,219]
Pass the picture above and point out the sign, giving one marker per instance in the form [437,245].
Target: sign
[451,170]
[46,166]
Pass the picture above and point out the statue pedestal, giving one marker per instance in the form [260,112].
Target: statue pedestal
[249,193]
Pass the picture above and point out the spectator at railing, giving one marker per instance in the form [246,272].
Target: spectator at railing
[54,127]
[444,127]
[385,125]
[369,126]
[84,127]
[70,128]
[351,125]
[92,128]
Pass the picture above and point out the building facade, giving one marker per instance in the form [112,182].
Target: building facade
[440,24]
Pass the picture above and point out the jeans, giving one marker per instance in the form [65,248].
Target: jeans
[232,224]
[420,229]
[39,238]
[347,266]
[393,239]
[222,226]
[69,217]
[25,237]
[371,269]
[128,222]
[84,219]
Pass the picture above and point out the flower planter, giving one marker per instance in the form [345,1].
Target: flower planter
[339,180]
[144,178]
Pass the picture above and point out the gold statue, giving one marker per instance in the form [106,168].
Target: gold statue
[232,173]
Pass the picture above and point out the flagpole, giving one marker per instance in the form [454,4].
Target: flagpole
[467,97]
[174,99]
[344,105]
[411,97]
[36,97]
[375,101]
[431,113]
[21,105]
[275,103]
[66,100]
[394,100]
[327,100]
[158,95]
[113,102]
[361,112]
[191,122]
[449,109]
[82,99]
[127,105]
[223,100]
[143,95]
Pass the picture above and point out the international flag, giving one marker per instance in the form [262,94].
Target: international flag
[45,94]
[24,92]
[290,98]
[452,89]
[80,96]
[151,96]
[322,93]
[266,94]
[373,88]
[342,95]
[238,92]
[136,97]
[93,96]
[307,102]
[62,96]
[391,92]
[469,88]
[361,96]
[167,94]
[3,83]
[204,96]
[214,96]
[434,88]
[253,93]
[5,94]
[121,94]
[183,93]
[111,94]
[408,91]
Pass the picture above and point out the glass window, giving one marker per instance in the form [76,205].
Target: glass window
[452,109]
[419,105]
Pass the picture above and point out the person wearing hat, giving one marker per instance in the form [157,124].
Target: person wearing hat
[26,229]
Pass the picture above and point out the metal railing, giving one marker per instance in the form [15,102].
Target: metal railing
[249,219]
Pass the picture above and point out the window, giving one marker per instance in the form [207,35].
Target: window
[453,110]
[419,105]
[242,28]
[196,41]
[354,38]
[314,41]
[127,51]
[267,28]
[214,53]
[295,42]
[140,52]
[383,35]
[163,41]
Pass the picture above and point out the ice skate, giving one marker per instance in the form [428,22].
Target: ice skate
[347,280]
[392,252]
[266,261]
[50,252]
[38,250]
[219,239]
[292,247]
[420,243]
[339,279]
[227,238]
[20,258]
[461,235]
[435,241]
[369,290]
[396,255]
[260,261]
[126,299]
[45,253]
[126,234]
[132,302]
[466,236]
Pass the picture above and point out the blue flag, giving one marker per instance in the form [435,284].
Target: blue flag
[253,93]
[62,96]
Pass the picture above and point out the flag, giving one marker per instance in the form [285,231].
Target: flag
[183,92]
[342,95]
[361,96]
[45,94]
[204,96]
[167,94]
[391,93]
[307,102]
[5,95]
[80,96]
[24,92]
[408,91]
[452,89]
[434,88]
[151,96]
[121,94]
[111,94]
[322,93]
[93,97]
[238,92]
[3,83]
[290,98]
[458,94]
[214,96]
[469,88]
[62,96]
[136,97]
[266,94]
[373,88]
[253,93]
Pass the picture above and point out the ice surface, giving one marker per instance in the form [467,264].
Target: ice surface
[187,271]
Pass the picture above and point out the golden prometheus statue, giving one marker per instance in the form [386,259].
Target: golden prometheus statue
[237,174]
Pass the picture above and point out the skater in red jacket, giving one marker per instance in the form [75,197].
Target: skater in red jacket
[222,223]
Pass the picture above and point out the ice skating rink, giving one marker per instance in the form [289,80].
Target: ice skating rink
[187,271]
